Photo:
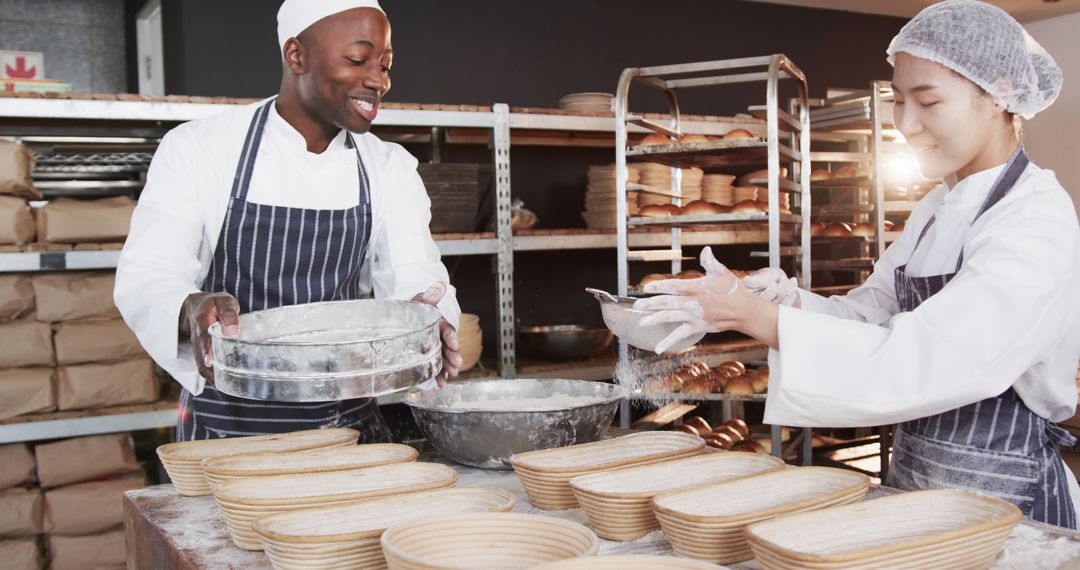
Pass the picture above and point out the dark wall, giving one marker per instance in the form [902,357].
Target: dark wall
[529,53]
[221,48]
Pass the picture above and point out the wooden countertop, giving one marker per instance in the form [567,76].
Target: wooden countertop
[165,530]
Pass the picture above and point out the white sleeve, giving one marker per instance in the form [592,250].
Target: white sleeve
[405,260]
[970,341]
[159,265]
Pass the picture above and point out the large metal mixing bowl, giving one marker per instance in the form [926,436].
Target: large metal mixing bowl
[328,351]
[482,435]
[563,342]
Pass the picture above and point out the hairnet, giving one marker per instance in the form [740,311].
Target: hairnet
[987,46]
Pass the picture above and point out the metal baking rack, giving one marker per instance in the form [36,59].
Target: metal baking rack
[863,121]
[771,147]
[782,139]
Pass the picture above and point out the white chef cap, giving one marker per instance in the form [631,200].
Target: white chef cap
[295,16]
[987,46]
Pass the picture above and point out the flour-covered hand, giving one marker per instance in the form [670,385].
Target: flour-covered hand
[715,303]
[451,358]
[773,285]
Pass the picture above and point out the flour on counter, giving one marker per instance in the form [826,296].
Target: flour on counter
[1029,549]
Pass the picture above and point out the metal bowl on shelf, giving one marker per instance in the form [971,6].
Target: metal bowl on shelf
[563,342]
[483,423]
[328,351]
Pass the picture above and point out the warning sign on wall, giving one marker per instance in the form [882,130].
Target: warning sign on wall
[22,64]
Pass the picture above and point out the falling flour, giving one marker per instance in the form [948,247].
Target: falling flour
[633,371]
[640,366]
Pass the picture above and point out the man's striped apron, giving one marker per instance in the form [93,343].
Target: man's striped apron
[273,256]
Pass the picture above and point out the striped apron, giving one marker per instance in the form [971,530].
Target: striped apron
[997,446]
[273,256]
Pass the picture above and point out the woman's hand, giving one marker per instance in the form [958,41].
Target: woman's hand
[714,303]
[773,285]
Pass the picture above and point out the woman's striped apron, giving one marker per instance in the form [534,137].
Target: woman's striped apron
[997,446]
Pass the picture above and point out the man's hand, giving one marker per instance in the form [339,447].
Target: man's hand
[451,360]
[200,310]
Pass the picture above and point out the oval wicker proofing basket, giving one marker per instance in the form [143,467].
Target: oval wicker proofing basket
[227,467]
[347,535]
[546,474]
[485,541]
[921,529]
[243,500]
[619,502]
[630,562]
[183,460]
[707,522]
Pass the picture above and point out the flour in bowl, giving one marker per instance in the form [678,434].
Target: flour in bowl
[554,402]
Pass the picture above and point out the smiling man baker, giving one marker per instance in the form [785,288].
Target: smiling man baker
[287,201]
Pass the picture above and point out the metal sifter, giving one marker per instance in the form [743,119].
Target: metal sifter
[329,351]
[625,321]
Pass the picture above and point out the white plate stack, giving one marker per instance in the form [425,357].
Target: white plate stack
[600,195]
[658,176]
[471,341]
[691,184]
[718,189]
[587,102]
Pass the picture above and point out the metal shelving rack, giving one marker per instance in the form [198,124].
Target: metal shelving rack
[720,154]
[863,119]
[142,122]
[771,150]
[849,199]
[147,121]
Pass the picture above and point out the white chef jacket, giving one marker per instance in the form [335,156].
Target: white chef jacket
[178,220]
[1010,317]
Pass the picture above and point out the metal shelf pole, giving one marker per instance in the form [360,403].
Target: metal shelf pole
[505,235]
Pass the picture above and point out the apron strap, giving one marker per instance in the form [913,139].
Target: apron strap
[1059,436]
[1018,162]
[365,184]
[246,165]
[922,234]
